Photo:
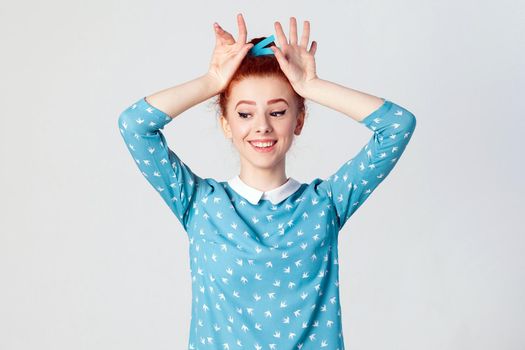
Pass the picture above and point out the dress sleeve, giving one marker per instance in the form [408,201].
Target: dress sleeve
[140,126]
[356,179]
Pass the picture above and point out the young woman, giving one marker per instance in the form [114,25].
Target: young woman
[263,246]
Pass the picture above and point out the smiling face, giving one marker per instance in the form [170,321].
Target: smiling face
[262,108]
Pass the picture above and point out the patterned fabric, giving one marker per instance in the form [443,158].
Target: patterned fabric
[265,269]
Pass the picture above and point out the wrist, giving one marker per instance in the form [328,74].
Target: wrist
[212,82]
[307,88]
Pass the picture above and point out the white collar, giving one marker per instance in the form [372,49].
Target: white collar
[253,195]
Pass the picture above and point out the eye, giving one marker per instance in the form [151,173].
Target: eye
[280,113]
[245,115]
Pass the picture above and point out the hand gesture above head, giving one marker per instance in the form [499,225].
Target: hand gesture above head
[296,62]
[228,53]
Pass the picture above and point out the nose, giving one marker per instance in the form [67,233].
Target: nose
[262,124]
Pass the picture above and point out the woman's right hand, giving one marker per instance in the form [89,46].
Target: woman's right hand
[228,53]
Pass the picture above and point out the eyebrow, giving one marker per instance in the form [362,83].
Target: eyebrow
[272,101]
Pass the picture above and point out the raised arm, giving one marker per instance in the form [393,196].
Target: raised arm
[352,184]
[140,124]
[392,127]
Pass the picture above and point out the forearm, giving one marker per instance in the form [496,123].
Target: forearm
[175,100]
[353,103]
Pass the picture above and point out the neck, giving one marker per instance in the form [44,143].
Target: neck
[263,179]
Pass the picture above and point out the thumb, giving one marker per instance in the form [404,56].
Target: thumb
[279,55]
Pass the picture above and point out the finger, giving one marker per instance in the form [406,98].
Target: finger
[281,38]
[224,36]
[279,55]
[313,47]
[242,52]
[305,35]
[293,31]
[242,28]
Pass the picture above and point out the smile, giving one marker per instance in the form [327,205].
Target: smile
[263,146]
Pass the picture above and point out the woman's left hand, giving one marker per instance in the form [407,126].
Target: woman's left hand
[296,62]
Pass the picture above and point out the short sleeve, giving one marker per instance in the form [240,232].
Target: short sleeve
[140,126]
[351,185]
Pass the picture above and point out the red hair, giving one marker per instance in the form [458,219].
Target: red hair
[256,66]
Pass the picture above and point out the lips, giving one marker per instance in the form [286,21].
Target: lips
[263,149]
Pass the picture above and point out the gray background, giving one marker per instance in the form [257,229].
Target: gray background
[90,256]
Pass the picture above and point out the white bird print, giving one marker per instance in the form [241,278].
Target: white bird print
[222,234]
[398,112]
[277,334]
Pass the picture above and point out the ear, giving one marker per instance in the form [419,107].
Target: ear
[226,129]
[300,123]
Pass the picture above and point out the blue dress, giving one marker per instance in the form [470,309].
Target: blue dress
[264,265]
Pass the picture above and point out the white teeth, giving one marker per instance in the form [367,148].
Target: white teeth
[263,144]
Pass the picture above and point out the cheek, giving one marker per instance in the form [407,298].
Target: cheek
[240,131]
